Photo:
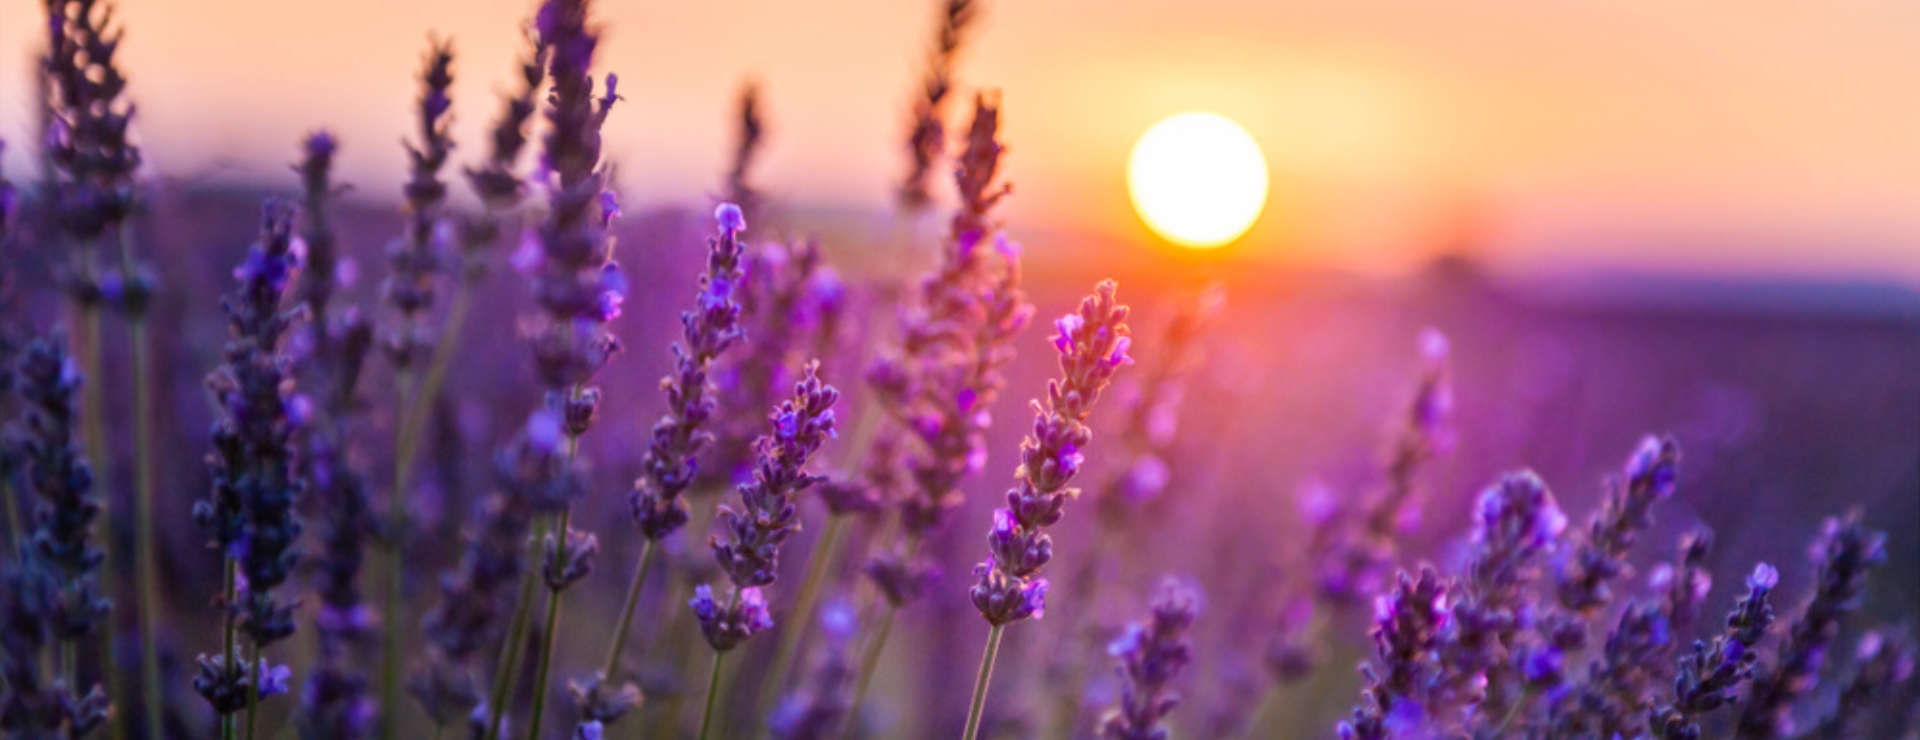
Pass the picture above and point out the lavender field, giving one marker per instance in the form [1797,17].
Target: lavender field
[505,454]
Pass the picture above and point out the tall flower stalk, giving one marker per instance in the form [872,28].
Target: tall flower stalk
[94,161]
[941,380]
[1093,344]
[747,545]
[416,260]
[672,459]
[579,289]
[248,515]
[335,701]
[927,135]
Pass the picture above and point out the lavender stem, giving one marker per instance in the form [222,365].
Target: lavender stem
[625,624]
[553,621]
[508,667]
[825,555]
[713,680]
[980,682]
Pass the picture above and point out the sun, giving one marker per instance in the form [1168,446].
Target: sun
[1197,179]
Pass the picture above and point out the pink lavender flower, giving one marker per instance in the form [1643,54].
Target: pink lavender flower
[672,461]
[1093,345]
[1152,654]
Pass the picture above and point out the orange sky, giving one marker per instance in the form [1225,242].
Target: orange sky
[1747,136]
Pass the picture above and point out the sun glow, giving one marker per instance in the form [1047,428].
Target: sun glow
[1197,179]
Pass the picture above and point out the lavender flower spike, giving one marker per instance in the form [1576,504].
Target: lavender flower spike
[747,547]
[1093,344]
[248,515]
[712,326]
[1847,553]
[1152,655]
[1649,477]
[1712,671]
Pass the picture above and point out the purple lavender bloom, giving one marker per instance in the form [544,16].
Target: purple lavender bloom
[747,546]
[782,311]
[1008,588]
[334,703]
[63,539]
[1711,672]
[497,181]
[1516,527]
[1847,552]
[1152,654]
[671,461]
[1583,576]
[1639,654]
[417,258]
[570,341]
[88,141]
[726,627]
[947,371]
[37,705]
[1409,627]
[249,513]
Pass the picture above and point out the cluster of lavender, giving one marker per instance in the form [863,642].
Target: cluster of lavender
[1479,656]
[947,370]
[88,142]
[248,515]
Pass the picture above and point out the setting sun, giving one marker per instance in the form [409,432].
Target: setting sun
[1198,179]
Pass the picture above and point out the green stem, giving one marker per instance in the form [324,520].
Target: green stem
[869,664]
[548,639]
[801,622]
[146,558]
[395,608]
[713,694]
[625,624]
[1268,701]
[980,682]
[19,535]
[93,422]
[227,650]
[508,667]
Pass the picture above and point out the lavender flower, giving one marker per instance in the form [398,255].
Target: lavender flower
[497,181]
[711,327]
[927,138]
[1152,655]
[1601,557]
[62,542]
[37,705]
[1847,552]
[1409,628]
[780,308]
[1639,653]
[416,258]
[1712,671]
[726,627]
[1093,345]
[1517,525]
[1883,663]
[748,544]
[249,513]
[1153,411]
[88,144]
[334,703]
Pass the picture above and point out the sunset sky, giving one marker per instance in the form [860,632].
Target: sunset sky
[1746,137]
